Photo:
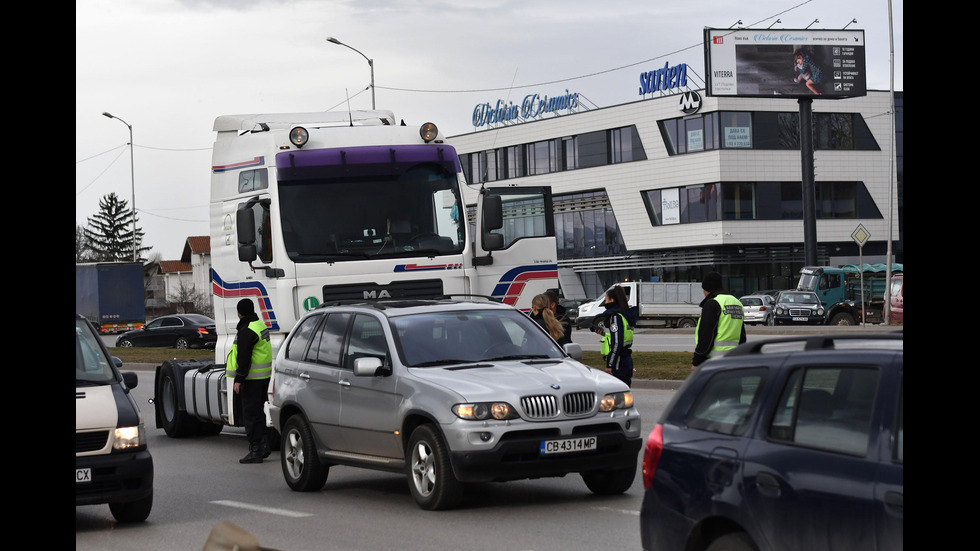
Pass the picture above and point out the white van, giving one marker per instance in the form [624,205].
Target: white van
[112,463]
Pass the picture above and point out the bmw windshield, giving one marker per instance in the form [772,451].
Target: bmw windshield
[447,338]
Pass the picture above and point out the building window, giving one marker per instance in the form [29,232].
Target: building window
[515,161]
[764,130]
[756,201]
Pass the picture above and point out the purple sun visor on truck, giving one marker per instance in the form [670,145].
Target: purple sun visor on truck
[353,161]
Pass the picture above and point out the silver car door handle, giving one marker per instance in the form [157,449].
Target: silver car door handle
[305,376]
[343,382]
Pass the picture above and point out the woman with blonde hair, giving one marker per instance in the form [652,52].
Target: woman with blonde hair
[541,313]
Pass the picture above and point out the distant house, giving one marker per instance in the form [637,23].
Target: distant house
[166,280]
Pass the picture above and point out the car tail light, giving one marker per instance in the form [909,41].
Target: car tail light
[762,309]
[651,454]
[202,331]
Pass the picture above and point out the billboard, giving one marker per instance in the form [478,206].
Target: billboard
[785,62]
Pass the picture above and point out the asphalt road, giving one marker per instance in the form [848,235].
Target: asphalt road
[199,483]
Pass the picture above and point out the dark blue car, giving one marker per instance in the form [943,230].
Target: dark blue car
[792,443]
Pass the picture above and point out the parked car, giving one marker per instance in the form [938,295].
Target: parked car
[758,309]
[771,292]
[177,331]
[783,443]
[571,308]
[447,392]
[798,308]
[112,462]
[897,299]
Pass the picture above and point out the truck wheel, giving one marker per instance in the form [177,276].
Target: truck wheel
[301,465]
[430,473]
[132,511]
[182,343]
[842,319]
[176,423]
[610,482]
[205,428]
[686,323]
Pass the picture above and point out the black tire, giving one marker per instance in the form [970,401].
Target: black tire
[205,428]
[301,465]
[125,343]
[430,473]
[176,423]
[610,482]
[735,541]
[132,511]
[686,323]
[182,343]
[770,321]
[843,319]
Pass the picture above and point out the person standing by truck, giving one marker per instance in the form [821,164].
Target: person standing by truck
[616,330]
[720,326]
[250,365]
[562,314]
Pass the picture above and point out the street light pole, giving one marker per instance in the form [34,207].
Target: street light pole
[132,175]
[369,60]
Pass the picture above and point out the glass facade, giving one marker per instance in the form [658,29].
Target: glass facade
[599,148]
[764,130]
[756,201]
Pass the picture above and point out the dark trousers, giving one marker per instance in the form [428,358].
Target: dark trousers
[624,369]
[254,394]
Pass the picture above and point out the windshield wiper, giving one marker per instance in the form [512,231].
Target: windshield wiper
[441,362]
[516,357]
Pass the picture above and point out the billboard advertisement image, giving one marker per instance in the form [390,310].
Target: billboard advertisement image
[785,62]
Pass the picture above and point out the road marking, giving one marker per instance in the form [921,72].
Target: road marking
[621,511]
[259,508]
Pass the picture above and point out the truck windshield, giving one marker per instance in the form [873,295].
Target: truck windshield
[808,282]
[370,210]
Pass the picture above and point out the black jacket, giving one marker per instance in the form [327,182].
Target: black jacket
[245,340]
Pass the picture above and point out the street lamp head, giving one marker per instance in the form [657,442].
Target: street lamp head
[106,114]
[332,39]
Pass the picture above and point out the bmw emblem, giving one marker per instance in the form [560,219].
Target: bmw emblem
[555,386]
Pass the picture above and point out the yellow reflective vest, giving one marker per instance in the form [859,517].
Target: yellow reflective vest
[606,345]
[261,354]
[729,325]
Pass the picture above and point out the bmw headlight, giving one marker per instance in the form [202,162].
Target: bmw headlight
[485,410]
[129,437]
[618,400]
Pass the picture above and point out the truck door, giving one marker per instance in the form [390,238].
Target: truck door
[516,256]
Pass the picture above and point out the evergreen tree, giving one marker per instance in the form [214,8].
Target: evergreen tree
[109,234]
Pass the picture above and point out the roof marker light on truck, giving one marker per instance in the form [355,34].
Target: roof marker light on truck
[428,131]
[299,136]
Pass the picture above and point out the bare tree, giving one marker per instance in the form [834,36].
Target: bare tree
[188,301]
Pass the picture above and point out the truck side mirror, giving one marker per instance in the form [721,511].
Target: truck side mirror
[493,218]
[245,225]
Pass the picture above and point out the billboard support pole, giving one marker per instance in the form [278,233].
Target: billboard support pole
[809,193]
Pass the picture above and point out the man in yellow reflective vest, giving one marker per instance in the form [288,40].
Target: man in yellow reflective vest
[250,365]
[720,326]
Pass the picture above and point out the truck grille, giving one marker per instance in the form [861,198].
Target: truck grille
[546,406]
[90,441]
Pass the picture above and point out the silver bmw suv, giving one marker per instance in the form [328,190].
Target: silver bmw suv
[447,392]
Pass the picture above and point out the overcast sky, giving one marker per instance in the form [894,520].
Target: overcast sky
[170,67]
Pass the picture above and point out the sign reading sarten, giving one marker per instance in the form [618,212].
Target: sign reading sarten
[785,62]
